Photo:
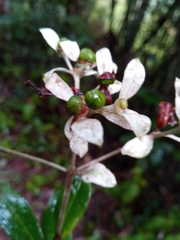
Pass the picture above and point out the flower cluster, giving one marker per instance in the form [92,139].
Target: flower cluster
[81,129]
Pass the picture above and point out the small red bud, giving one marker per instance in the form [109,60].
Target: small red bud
[165,115]
[107,94]
[106,78]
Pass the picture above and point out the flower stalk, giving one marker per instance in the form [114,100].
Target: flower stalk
[69,179]
[32,158]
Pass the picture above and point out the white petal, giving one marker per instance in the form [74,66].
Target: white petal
[115,87]
[71,49]
[134,76]
[51,37]
[104,61]
[114,68]
[100,175]
[177,97]
[109,113]
[90,130]
[48,74]
[138,148]
[140,124]
[173,137]
[59,87]
[78,146]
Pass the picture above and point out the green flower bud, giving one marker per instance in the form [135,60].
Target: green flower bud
[121,103]
[95,99]
[87,54]
[74,104]
[106,78]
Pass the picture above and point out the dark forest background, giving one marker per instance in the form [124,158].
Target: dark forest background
[145,204]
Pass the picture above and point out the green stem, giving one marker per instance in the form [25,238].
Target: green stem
[100,159]
[32,158]
[69,179]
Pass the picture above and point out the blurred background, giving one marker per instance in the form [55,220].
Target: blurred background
[145,205]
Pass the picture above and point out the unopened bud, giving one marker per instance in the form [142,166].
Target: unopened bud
[121,103]
[87,54]
[106,78]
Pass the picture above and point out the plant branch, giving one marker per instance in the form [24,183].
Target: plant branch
[80,169]
[69,179]
[32,158]
[165,133]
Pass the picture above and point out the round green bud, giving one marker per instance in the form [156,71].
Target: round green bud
[106,78]
[95,99]
[74,104]
[87,54]
[121,103]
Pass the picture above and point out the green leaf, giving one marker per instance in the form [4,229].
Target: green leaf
[16,216]
[50,215]
[78,201]
[68,237]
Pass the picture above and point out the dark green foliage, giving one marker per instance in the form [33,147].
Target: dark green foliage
[78,202]
[16,216]
[19,222]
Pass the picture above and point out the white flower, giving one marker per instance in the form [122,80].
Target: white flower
[118,112]
[105,64]
[81,131]
[70,48]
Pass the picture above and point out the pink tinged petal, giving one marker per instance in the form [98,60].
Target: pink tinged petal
[100,175]
[104,61]
[134,76]
[71,49]
[140,124]
[177,97]
[51,37]
[138,148]
[115,87]
[59,87]
[173,137]
[90,130]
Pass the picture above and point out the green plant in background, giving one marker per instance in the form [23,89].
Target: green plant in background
[68,204]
